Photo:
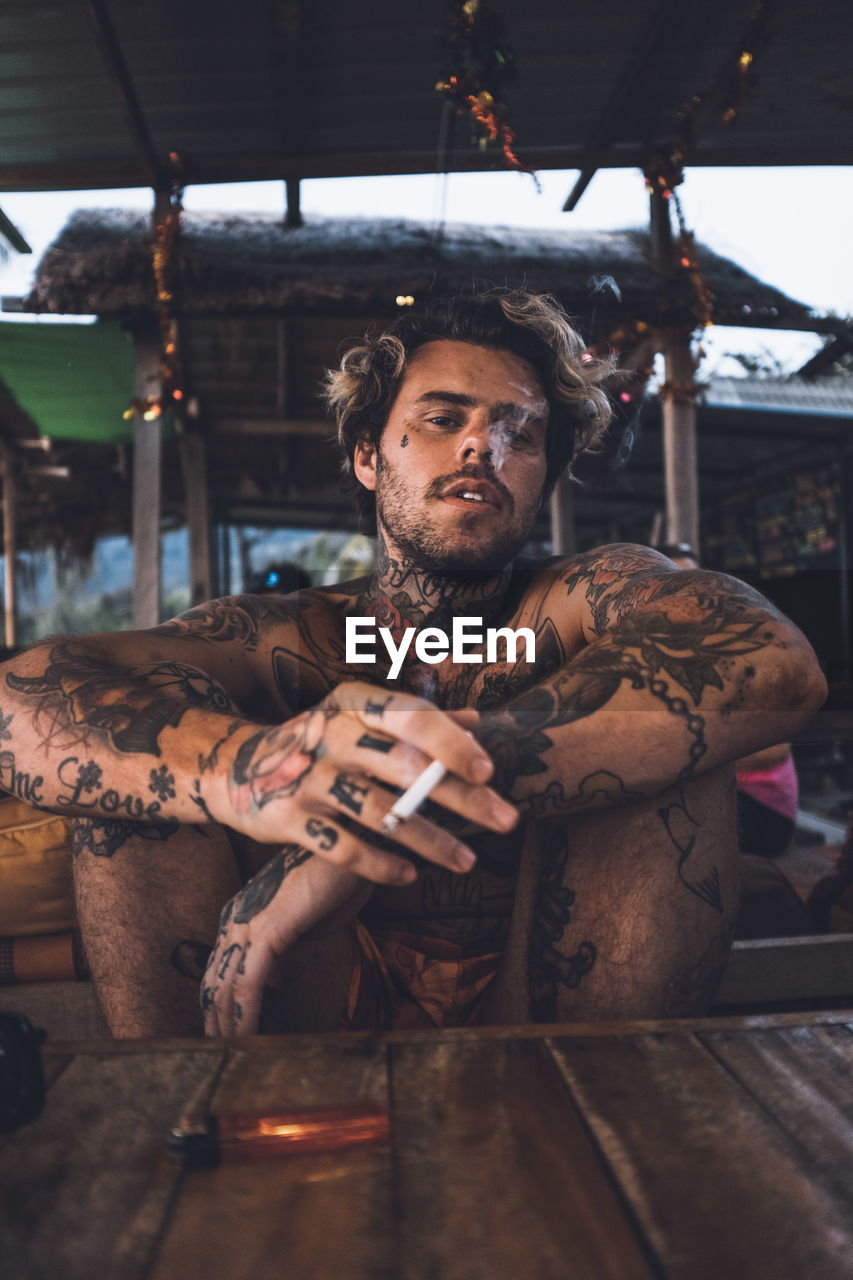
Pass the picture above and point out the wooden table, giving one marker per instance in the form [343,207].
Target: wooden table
[716,1148]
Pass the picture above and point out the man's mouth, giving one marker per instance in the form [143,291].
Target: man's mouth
[474,493]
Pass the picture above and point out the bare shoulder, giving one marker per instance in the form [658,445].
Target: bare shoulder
[588,592]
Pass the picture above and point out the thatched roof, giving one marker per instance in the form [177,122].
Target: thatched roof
[250,263]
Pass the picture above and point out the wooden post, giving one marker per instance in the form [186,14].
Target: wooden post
[147,451]
[9,549]
[563,535]
[681,466]
[194,463]
[678,407]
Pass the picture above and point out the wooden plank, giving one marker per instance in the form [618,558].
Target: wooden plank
[717,1186]
[803,1077]
[86,1186]
[308,1215]
[766,969]
[274,1044]
[496,1174]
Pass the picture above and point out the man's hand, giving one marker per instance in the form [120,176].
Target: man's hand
[327,778]
[293,894]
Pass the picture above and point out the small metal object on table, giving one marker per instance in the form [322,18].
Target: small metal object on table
[685,1149]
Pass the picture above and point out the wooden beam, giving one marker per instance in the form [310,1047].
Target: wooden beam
[94,175]
[9,549]
[763,970]
[282,398]
[147,450]
[194,463]
[627,82]
[12,234]
[293,215]
[273,427]
[113,57]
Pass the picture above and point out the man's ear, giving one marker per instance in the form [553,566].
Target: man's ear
[364,463]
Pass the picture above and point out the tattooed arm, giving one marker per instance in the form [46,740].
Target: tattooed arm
[123,728]
[680,671]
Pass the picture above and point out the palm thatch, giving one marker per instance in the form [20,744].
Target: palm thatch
[100,264]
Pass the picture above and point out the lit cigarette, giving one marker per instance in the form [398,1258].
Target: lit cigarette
[410,801]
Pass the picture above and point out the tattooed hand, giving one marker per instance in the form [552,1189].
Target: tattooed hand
[328,777]
[287,899]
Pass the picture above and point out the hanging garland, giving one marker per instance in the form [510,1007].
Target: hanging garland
[664,171]
[164,237]
[478,63]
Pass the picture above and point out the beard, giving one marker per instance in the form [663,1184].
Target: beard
[469,550]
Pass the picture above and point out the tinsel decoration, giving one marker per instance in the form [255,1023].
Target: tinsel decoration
[478,64]
[165,229]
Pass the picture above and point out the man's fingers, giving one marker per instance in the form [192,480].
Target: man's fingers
[232,990]
[402,765]
[413,720]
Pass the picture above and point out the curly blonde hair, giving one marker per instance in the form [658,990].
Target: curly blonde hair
[359,394]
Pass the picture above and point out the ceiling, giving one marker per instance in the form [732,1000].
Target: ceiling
[96,93]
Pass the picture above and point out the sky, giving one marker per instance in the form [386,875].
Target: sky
[788,226]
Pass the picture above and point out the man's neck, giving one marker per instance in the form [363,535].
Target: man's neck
[432,597]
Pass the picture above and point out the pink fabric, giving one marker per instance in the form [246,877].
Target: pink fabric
[777,787]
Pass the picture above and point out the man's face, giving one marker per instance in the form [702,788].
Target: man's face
[461,465]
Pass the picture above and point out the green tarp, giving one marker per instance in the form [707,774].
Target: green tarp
[74,380]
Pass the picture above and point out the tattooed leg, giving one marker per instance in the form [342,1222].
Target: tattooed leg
[148,901]
[624,913]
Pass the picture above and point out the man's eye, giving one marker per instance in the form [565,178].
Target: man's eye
[524,440]
[441,420]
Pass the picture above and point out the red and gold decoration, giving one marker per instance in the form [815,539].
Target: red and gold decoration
[166,225]
[479,63]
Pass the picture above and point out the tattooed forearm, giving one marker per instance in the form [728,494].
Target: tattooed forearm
[83,694]
[673,652]
[78,780]
[261,890]
[25,786]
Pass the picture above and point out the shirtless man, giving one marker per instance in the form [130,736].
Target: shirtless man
[577,860]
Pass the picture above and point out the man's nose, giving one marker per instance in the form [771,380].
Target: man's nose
[476,440]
